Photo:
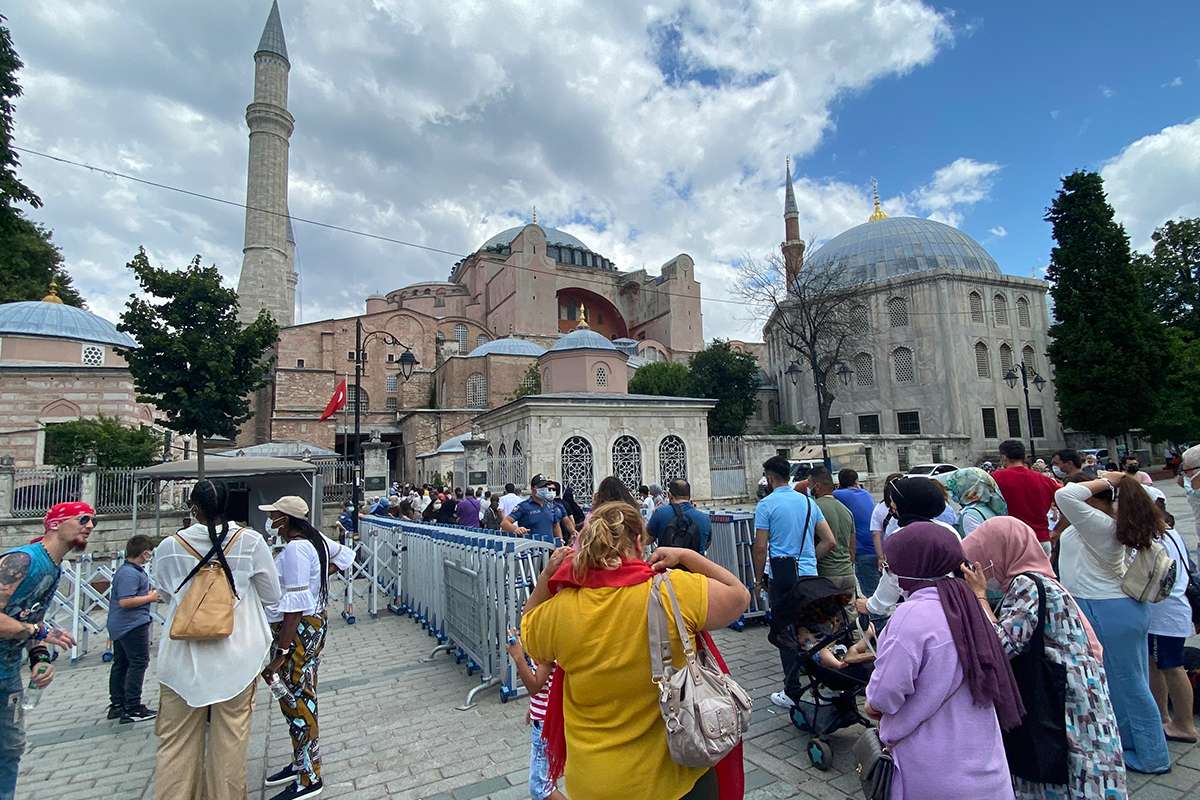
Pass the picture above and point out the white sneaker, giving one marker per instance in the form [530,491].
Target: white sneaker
[782,700]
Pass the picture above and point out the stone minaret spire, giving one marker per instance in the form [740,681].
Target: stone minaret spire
[268,278]
[792,248]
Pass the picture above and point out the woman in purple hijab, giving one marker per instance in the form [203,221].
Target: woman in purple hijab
[942,686]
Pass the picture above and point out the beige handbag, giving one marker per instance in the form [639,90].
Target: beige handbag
[705,711]
[205,612]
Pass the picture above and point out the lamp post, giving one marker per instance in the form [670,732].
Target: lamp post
[794,371]
[408,362]
[1023,372]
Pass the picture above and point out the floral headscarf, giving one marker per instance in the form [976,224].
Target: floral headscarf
[973,485]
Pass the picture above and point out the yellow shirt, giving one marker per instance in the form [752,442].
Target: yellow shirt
[616,738]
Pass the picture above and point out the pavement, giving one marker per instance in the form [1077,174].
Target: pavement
[390,728]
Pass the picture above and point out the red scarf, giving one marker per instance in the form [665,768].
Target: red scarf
[730,770]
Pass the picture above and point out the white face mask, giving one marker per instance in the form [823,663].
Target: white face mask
[1058,473]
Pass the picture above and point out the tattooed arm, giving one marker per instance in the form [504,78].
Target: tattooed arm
[13,569]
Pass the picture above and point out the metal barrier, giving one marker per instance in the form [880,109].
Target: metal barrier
[732,546]
[36,490]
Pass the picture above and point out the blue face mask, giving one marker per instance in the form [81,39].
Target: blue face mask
[545,494]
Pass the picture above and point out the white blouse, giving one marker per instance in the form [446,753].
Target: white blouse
[205,673]
[1091,562]
[299,570]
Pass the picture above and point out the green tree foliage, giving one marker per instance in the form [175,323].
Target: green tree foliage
[1172,274]
[531,383]
[723,374]
[194,362]
[662,378]
[1106,343]
[12,190]
[115,445]
[1175,415]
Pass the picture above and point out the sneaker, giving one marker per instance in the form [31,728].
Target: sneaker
[115,712]
[138,714]
[782,700]
[285,775]
[296,791]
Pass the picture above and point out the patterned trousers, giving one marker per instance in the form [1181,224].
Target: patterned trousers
[299,674]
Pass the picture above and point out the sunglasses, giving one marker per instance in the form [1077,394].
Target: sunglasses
[84,519]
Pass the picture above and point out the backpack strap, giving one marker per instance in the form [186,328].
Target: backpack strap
[216,550]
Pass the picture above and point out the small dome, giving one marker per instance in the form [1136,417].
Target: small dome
[894,246]
[508,346]
[59,321]
[554,238]
[583,339]
[453,444]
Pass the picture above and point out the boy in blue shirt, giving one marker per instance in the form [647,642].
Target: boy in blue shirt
[129,628]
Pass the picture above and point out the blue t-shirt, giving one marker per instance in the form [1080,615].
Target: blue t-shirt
[662,516]
[347,520]
[130,580]
[27,604]
[782,513]
[538,518]
[861,504]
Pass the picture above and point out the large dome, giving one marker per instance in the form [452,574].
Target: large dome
[554,238]
[895,246]
[508,346]
[583,339]
[60,321]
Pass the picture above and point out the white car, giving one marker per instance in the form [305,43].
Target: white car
[930,470]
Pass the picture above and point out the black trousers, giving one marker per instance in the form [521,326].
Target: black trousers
[705,789]
[131,656]
[783,578]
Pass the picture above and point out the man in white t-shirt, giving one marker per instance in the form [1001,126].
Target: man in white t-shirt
[510,499]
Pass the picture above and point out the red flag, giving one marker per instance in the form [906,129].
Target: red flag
[337,401]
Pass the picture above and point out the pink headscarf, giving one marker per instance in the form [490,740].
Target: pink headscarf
[1013,548]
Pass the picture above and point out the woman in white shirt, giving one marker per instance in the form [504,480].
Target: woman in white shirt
[298,622]
[1110,515]
[210,683]
[1170,625]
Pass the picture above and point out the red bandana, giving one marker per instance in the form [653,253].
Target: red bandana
[63,511]
[730,770]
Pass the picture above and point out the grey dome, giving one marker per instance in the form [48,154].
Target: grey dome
[554,238]
[583,339]
[454,444]
[39,318]
[887,248]
[508,346]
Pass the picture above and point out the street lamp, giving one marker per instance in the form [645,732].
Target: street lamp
[408,362]
[793,371]
[844,372]
[1022,373]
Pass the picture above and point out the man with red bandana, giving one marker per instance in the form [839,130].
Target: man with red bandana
[28,577]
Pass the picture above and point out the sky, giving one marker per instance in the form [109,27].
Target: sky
[646,130]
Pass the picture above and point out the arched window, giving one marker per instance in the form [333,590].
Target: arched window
[502,474]
[897,312]
[601,376]
[481,340]
[460,335]
[576,465]
[352,396]
[517,472]
[672,460]
[1006,359]
[983,362]
[1023,312]
[627,462]
[1029,358]
[1000,310]
[906,371]
[860,321]
[976,301]
[864,369]
[477,391]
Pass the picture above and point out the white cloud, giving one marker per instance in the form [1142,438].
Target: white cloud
[1154,179]
[954,188]
[1107,91]
[647,130]
[999,231]
[1054,112]
[1174,83]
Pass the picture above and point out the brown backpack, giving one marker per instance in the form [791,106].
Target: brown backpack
[205,612]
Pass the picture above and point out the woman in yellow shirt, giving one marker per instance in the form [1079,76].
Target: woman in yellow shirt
[588,613]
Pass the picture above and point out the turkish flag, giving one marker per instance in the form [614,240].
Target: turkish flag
[336,402]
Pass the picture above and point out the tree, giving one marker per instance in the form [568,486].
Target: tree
[12,190]
[819,318]
[1175,415]
[194,362]
[1106,344]
[30,261]
[114,445]
[721,373]
[662,378]
[1172,274]
[531,383]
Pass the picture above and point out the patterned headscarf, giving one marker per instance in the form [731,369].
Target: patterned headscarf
[973,485]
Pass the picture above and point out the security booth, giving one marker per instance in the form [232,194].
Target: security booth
[251,482]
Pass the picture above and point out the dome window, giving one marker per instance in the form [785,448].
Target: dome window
[93,355]
[976,307]
[898,312]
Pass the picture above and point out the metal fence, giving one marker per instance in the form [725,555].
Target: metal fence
[337,480]
[116,490]
[36,490]
[726,460]
[731,545]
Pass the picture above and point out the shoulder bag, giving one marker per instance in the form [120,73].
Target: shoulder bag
[205,612]
[874,765]
[1037,748]
[705,711]
[1149,578]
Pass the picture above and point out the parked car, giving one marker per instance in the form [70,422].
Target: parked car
[930,470]
[799,471]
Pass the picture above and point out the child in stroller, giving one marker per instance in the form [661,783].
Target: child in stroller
[831,670]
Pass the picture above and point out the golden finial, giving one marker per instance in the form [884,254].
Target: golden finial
[582,318]
[534,215]
[877,214]
[53,296]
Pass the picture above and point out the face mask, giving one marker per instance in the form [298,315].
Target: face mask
[1132,469]
[1058,473]
[552,494]
[545,493]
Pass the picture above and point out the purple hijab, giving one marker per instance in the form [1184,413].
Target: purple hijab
[929,550]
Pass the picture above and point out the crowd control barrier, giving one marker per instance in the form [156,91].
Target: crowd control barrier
[731,546]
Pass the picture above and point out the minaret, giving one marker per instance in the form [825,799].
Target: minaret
[268,278]
[792,247]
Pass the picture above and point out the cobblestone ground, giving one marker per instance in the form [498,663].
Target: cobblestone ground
[389,729]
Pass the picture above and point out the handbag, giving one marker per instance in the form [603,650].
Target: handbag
[705,711]
[1150,577]
[1037,748]
[1192,592]
[205,612]
[874,765]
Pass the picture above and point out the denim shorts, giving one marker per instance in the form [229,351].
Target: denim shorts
[1166,652]
[540,785]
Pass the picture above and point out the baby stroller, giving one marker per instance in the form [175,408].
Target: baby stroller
[826,699]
